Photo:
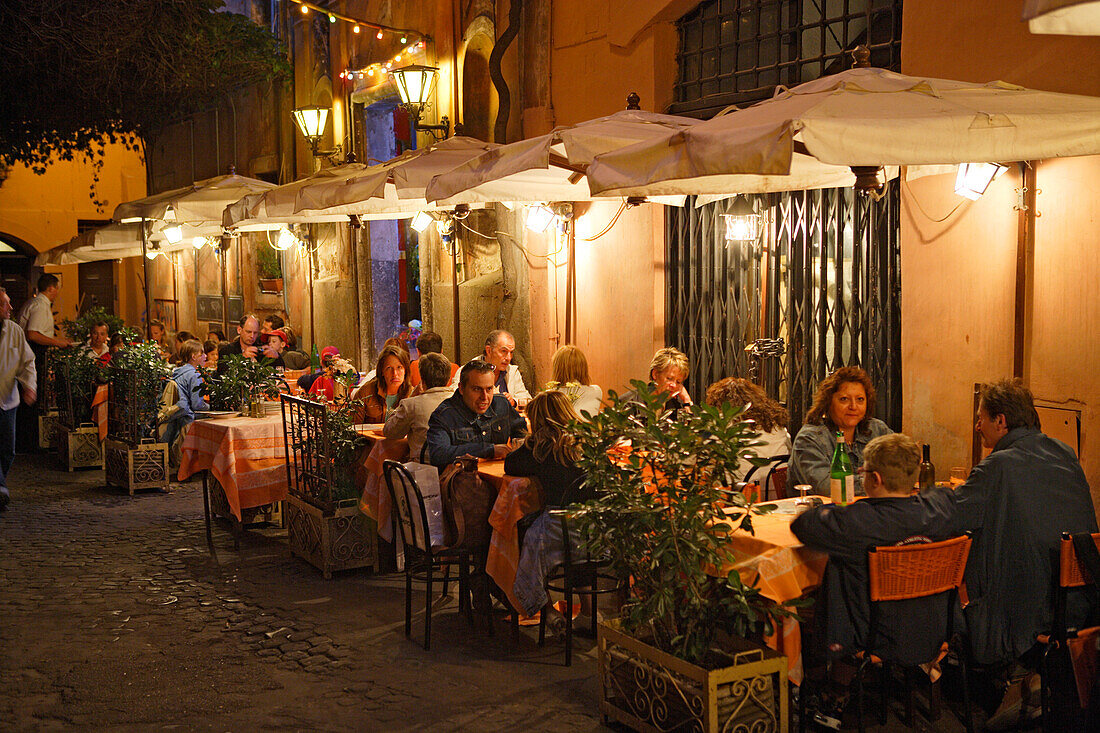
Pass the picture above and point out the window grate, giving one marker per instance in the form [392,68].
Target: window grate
[739,51]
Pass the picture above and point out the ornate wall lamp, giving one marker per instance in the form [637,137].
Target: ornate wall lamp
[415,84]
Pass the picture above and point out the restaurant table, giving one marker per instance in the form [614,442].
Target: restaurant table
[374,497]
[246,455]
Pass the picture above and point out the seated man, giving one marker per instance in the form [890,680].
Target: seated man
[246,344]
[1018,501]
[910,632]
[430,342]
[410,417]
[499,348]
[473,421]
[97,346]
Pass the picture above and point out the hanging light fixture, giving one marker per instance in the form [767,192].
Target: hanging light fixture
[153,251]
[539,218]
[286,240]
[973,179]
[421,221]
[198,242]
[742,222]
[173,234]
[415,84]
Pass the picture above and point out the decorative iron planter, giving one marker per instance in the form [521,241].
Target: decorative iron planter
[143,467]
[649,690]
[49,430]
[80,447]
[343,540]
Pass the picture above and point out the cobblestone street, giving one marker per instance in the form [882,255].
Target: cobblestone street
[113,614]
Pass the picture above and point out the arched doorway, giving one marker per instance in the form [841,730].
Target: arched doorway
[17,270]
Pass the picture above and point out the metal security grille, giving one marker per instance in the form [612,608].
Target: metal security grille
[824,276]
[738,51]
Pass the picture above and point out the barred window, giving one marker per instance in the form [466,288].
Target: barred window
[738,51]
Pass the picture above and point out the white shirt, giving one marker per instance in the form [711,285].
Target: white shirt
[16,364]
[92,351]
[585,397]
[410,418]
[37,315]
[516,388]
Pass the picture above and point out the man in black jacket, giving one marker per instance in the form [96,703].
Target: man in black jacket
[246,344]
[908,632]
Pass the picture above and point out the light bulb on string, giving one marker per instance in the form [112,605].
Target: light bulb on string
[355,29]
[379,36]
[332,19]
[305,10]
[404,40]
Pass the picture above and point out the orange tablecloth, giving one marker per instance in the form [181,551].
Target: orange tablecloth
[246,455]
[99,410]
[516,498]
[374,498]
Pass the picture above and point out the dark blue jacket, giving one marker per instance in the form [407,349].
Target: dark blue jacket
[455,430]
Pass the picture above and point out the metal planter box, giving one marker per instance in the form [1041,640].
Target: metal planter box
[48,430]
[649,690]
[133,469]
[343,540]
[80,447]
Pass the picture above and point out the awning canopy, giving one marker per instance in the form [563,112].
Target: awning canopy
[551,167]
[113,242]
[1063,17]
[200,204]
[808,136]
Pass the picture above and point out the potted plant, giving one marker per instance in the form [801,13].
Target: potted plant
[685,650]
[80,328]
[134,458]
[271,271]
[241,381]
[76,379]
[327,529]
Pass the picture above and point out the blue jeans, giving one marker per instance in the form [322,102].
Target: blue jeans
[7,443]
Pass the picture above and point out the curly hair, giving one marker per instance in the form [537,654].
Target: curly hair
[819,410]
[766,412]
[549,413]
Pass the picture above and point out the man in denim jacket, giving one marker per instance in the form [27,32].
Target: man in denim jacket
[473,421]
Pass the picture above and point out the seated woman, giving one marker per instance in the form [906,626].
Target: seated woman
[770,417]
[570,377]
[667,373]
[549,453]
[210,348]
[844,402]
[188,379]
[389,386]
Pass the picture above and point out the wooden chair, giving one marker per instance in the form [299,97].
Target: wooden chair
[904,572]
[584,576]
[1070,573]
[422,560]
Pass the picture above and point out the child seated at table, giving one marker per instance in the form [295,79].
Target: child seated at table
[188,379]
[549,454]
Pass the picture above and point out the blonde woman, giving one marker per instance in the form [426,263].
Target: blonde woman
[549,454]
[668,370]
[570,377]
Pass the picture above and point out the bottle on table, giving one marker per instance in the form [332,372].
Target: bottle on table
[926,479]
[842,480]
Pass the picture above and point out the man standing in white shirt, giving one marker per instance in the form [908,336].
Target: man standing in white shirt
[16,365]
[36,321]
[499,348]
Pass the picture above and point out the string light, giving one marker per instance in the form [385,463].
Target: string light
[355,29]
[305,10]
[332,19]
[404,39]
[379,36]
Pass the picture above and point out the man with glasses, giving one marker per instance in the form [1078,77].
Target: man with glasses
[473,421]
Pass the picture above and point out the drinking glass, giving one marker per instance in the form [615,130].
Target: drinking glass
[958,476]
[803,502]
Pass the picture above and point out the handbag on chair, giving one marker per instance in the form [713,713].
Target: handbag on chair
[467,503]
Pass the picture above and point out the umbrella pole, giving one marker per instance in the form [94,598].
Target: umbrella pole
[309,264]
[224,252]
[454,296]
[148,294]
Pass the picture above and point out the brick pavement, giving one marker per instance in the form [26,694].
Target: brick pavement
[112,614]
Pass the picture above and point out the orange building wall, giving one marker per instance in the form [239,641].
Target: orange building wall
[958,277]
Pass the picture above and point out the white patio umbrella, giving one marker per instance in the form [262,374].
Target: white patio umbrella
[113,242]
[551,167]
[274,208]
[805,136]
[1063,17]
[199,205]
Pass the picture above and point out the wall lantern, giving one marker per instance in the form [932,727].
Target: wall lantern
[312,122]
[974,178]
[415,84]
[742,222]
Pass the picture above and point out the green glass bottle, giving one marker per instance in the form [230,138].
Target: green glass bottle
[842,481]
[315,358]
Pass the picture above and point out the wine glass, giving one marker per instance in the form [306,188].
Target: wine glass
[958,476]
[803,502]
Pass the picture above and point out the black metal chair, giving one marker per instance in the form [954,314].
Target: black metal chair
[585,576]
[773,473]
[422,560]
